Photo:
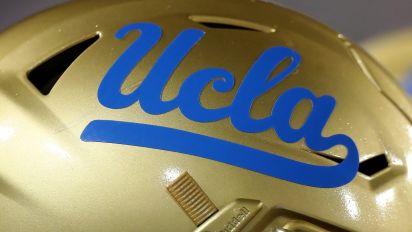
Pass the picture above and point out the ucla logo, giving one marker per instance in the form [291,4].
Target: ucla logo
[256,82]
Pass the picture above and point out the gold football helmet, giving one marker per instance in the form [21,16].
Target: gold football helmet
[181,115]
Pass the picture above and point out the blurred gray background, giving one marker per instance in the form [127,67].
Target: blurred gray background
[358,19]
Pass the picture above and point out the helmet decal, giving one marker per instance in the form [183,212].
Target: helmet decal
[256,82]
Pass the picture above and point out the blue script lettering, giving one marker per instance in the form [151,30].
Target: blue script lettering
[257,81]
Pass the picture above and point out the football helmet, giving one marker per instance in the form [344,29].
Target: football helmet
[197,116]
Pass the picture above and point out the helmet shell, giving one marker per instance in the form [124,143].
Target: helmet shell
[53,179]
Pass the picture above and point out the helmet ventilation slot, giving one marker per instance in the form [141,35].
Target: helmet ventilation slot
[367,167]
[329,157]
[373,165]
[215,22]
[46,75]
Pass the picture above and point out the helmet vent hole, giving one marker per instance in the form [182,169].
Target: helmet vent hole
[225,26]
[329,157]
[367,167]
[215,22]
[46,75]
[373,165]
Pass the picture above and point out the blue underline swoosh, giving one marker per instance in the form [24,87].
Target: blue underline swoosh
[169,139]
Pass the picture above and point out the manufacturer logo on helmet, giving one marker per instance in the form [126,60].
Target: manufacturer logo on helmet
[256,82]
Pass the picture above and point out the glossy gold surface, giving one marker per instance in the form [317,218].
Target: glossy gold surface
[52,181]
